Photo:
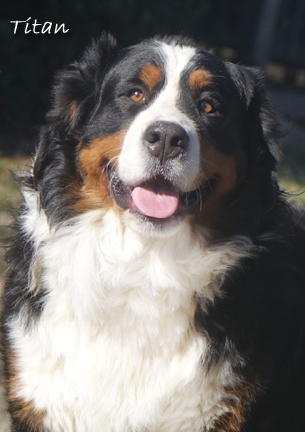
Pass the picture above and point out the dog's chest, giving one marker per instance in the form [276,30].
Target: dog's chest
[88,382]
[115,348]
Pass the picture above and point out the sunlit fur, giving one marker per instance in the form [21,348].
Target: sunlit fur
[115,321]
[116,343]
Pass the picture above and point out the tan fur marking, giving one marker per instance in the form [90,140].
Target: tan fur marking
[199,79]
[94,193]
[21,411]
[150,75]
[240,398]
[35,276]
[71,112]
[223,168]
[217,164]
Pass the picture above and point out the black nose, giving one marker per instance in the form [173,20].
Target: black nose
[165,140]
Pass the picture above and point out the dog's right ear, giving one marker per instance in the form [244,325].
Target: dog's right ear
[76,83]
[73,97]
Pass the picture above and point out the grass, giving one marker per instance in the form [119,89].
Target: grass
[9,196]
[8,188]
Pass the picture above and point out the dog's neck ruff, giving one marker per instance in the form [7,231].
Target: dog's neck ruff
[119,310]
[107,272]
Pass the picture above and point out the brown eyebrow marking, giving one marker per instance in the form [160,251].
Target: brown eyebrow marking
[199,78]
[150,75]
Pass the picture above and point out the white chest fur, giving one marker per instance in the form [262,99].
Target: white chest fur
[115,348]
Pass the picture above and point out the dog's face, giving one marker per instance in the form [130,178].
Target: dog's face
[161,132]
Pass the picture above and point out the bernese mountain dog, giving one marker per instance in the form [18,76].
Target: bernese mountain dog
[156,274]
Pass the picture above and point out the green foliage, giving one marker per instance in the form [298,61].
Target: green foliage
[9,197]
[8,187]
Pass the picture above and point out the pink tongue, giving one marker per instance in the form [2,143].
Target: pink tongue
[159,204]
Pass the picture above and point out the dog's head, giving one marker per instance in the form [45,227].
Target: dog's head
[161,132]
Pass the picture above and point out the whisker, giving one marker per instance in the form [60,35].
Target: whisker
[108,164]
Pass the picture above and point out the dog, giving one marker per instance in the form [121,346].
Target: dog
[156,273]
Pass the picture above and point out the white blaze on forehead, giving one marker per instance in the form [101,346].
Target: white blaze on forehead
[135,162]
[177,58]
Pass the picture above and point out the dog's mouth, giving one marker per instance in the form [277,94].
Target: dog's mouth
[156,198]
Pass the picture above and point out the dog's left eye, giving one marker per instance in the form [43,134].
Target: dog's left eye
[137,96]
[206,107]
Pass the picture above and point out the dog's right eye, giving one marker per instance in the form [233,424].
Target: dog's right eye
[137,96]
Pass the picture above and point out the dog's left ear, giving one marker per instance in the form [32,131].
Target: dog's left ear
[260,116]
[261,133]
